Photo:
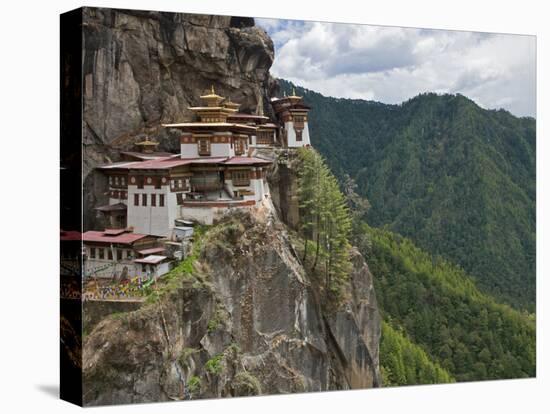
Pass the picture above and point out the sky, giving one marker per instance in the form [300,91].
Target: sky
[393,64]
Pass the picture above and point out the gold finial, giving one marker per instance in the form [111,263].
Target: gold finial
[293,91]
[284,94]
[212,89]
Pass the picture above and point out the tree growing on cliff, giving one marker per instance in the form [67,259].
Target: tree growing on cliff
[325,221]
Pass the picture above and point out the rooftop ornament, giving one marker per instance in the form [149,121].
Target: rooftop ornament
[147,145]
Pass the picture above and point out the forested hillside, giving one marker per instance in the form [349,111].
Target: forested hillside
[457,179]
[440,309]
[404,363]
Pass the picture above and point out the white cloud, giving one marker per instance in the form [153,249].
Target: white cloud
[392,64]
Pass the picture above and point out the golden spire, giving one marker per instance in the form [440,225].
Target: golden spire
[211,98]
[293,91]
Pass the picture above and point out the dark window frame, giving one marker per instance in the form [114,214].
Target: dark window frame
[203,146]
[140,181]
[240,178]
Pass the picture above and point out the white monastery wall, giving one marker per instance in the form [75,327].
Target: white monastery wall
[291,135]
[150,219]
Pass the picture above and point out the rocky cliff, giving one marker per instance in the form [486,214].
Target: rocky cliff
[141,69]
[246,320]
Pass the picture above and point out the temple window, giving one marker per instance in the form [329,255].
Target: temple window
[239,147]
[204,146]
[153,200]
[264,137]
[240,178]
[136,199]
[144,200]
[161,200]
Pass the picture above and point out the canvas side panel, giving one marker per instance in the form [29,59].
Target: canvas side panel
[71,207]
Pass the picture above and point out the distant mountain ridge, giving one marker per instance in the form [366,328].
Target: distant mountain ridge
[457,179]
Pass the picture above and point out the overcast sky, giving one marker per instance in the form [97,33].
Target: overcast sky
[392,64]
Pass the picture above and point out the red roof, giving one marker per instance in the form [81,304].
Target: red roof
[246,160]
[175,161]
[159,163]
[152,251]
[123,165]
[103,237]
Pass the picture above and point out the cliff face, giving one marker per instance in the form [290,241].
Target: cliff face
[247,321]
[143,68]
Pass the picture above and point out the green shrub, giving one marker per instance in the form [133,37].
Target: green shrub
[194,384]
[214,365]
[246,384]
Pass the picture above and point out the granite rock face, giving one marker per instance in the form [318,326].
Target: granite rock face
[247,322]
[146,68]
[141,69]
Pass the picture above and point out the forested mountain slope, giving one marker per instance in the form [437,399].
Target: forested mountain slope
[457,179]
[438,307]
[404,363]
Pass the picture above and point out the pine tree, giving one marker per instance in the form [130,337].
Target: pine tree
[324,220]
